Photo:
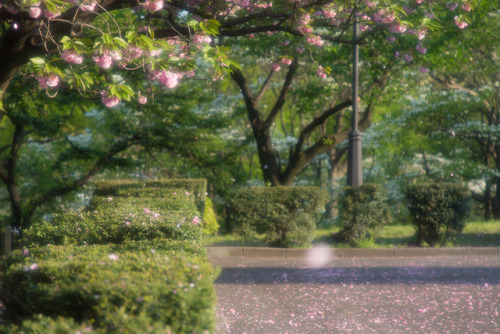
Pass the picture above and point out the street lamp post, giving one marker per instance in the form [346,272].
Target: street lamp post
[354,163]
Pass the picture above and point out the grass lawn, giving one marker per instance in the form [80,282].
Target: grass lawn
[475,234]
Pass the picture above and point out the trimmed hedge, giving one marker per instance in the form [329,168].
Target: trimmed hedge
[288,215]
[138,287]
[438,210]
[363,213]
[153,188]
[117,226]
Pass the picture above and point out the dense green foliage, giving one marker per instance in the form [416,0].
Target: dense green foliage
[154,188]
[128,264]
[147,288]
[363,213]
[288,215]
[438,210]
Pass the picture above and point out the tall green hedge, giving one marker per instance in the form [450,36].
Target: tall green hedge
[287,215]
[153,188]
[438,210]
[363,213]
[155,287]
[131,263]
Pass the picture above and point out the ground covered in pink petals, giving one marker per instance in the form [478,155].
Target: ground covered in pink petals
[397,295]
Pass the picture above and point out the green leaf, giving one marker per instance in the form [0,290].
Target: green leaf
[120,41]
[38,61]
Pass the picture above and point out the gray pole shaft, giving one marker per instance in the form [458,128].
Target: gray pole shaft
[354,168]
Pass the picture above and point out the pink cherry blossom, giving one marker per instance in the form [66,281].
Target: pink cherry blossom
[154,5]
[169,79]
[466,7]
[421,34]
[72,57]
[276,67]
[408,57]
[109,101]
[321,72]
[103,61]
[113,257]
[50,15]
[146,210]
[52,80]
[90,7]
[421,49]
[460,24]
[286,61]
[196,220]
[423,69]
[315,40]
[35,12]
[391,39]
[142,99]
[451,5]
[418,2]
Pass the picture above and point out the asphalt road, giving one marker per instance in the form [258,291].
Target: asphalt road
[358,295]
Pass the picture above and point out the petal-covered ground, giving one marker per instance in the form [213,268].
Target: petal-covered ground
[380,295]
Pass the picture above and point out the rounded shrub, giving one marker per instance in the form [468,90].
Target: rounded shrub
[363,213]
[438,210]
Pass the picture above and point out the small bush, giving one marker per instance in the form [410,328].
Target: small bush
[210,224]
[438,210]
[363,213]
[137,287]
[288,215]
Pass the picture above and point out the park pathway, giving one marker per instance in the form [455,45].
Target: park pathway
[458,294]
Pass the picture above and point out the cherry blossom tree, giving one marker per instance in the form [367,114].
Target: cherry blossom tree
[122,50]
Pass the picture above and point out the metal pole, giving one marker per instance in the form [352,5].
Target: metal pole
[354,164]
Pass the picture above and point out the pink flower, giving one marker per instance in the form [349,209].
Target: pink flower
[418,2]
[451,5]
[276,67]
[196,220]
[169,79]
[466,7]
[421,49]
[315,40]
[300,49]
[142,99]
[146,211]
[423,69]
[396,54]
[408,57]
[135,52]
[34,266]
[286,61]
[128,223]
[35,12]
[391,39]
[88,7]
[421,34]
[26,252]
[321,72]
[50,15]
[72,57]
[460,24]
[109,101]
[187,193]
[51,81]
[113,257]
[154,5]
[104,61]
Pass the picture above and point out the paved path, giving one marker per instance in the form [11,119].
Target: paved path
[358,295]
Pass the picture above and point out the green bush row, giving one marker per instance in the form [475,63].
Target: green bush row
[112,226]
[363,213]
[438,210]
[154,188]
[157,286]
[287,215]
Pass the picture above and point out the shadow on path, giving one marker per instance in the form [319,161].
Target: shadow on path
[356,275]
